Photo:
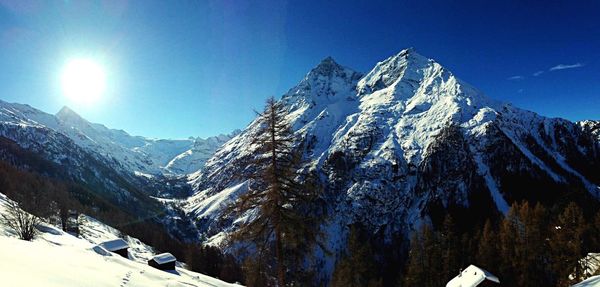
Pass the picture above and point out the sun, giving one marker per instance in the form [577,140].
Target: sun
[83,80]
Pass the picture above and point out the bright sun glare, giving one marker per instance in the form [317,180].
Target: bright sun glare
[83,80]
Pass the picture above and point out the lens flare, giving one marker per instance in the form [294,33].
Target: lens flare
[83,80]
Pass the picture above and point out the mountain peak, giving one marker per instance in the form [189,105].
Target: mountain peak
[325,82]
[328,60]
[65,111]
[327,67]
[406,65]
[408,55]
[66,114]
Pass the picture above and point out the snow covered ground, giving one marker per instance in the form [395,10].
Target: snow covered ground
[590,282]
[57,258]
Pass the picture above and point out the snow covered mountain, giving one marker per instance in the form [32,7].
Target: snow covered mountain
[136,154]
[115,166]
[407,142]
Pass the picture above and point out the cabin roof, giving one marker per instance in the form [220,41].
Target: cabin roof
[471,277]
[164,258]
[116,244]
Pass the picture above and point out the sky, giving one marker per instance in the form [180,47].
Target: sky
[176,69]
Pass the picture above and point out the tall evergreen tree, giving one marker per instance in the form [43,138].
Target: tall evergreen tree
[279,198]
[509,248]
[424,263]
[358,267]
[451,249]
[487,251]
[595,233]
[567,245]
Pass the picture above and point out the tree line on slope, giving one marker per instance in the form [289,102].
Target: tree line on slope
[531,246]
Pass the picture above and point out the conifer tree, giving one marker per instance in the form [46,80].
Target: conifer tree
[487,251]
[536,223]
[451,249]
[567,245]
[509,246]
[415,272]
[358,267]
[279,198]
[424,264]
[595,233]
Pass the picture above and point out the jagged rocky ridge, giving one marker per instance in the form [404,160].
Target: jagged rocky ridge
[406,143]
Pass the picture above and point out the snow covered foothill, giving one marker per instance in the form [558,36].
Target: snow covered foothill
[59,259]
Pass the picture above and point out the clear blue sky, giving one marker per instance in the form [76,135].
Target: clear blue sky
[198,68]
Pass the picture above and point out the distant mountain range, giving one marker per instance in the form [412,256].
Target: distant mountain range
[136,154]
[128,171]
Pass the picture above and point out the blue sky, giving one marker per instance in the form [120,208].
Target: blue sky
[198,68]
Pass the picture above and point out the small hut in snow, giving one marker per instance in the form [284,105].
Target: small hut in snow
[164,261]
[118,246]
[473,276]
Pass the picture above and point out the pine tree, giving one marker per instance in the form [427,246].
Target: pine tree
[536,226]
[523,248]
[487,251]
[358,267]
[451,249]
[595,233]
[279,197]
[509,248]
[424,264]
[255,273]
[567,245]
[415,272]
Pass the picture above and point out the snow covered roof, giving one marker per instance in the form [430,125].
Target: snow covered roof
[471,277]
[116,244]
[101,250]
[164,258]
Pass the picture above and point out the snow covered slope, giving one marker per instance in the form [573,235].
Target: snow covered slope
[590,282]
[408,140]
[57,259]
[135,154]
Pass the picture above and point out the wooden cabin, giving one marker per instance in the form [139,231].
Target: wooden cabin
[118,246]
[473,276]
[164,261]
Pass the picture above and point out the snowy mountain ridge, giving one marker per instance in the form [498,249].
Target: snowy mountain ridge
[404,142]
[136,154]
